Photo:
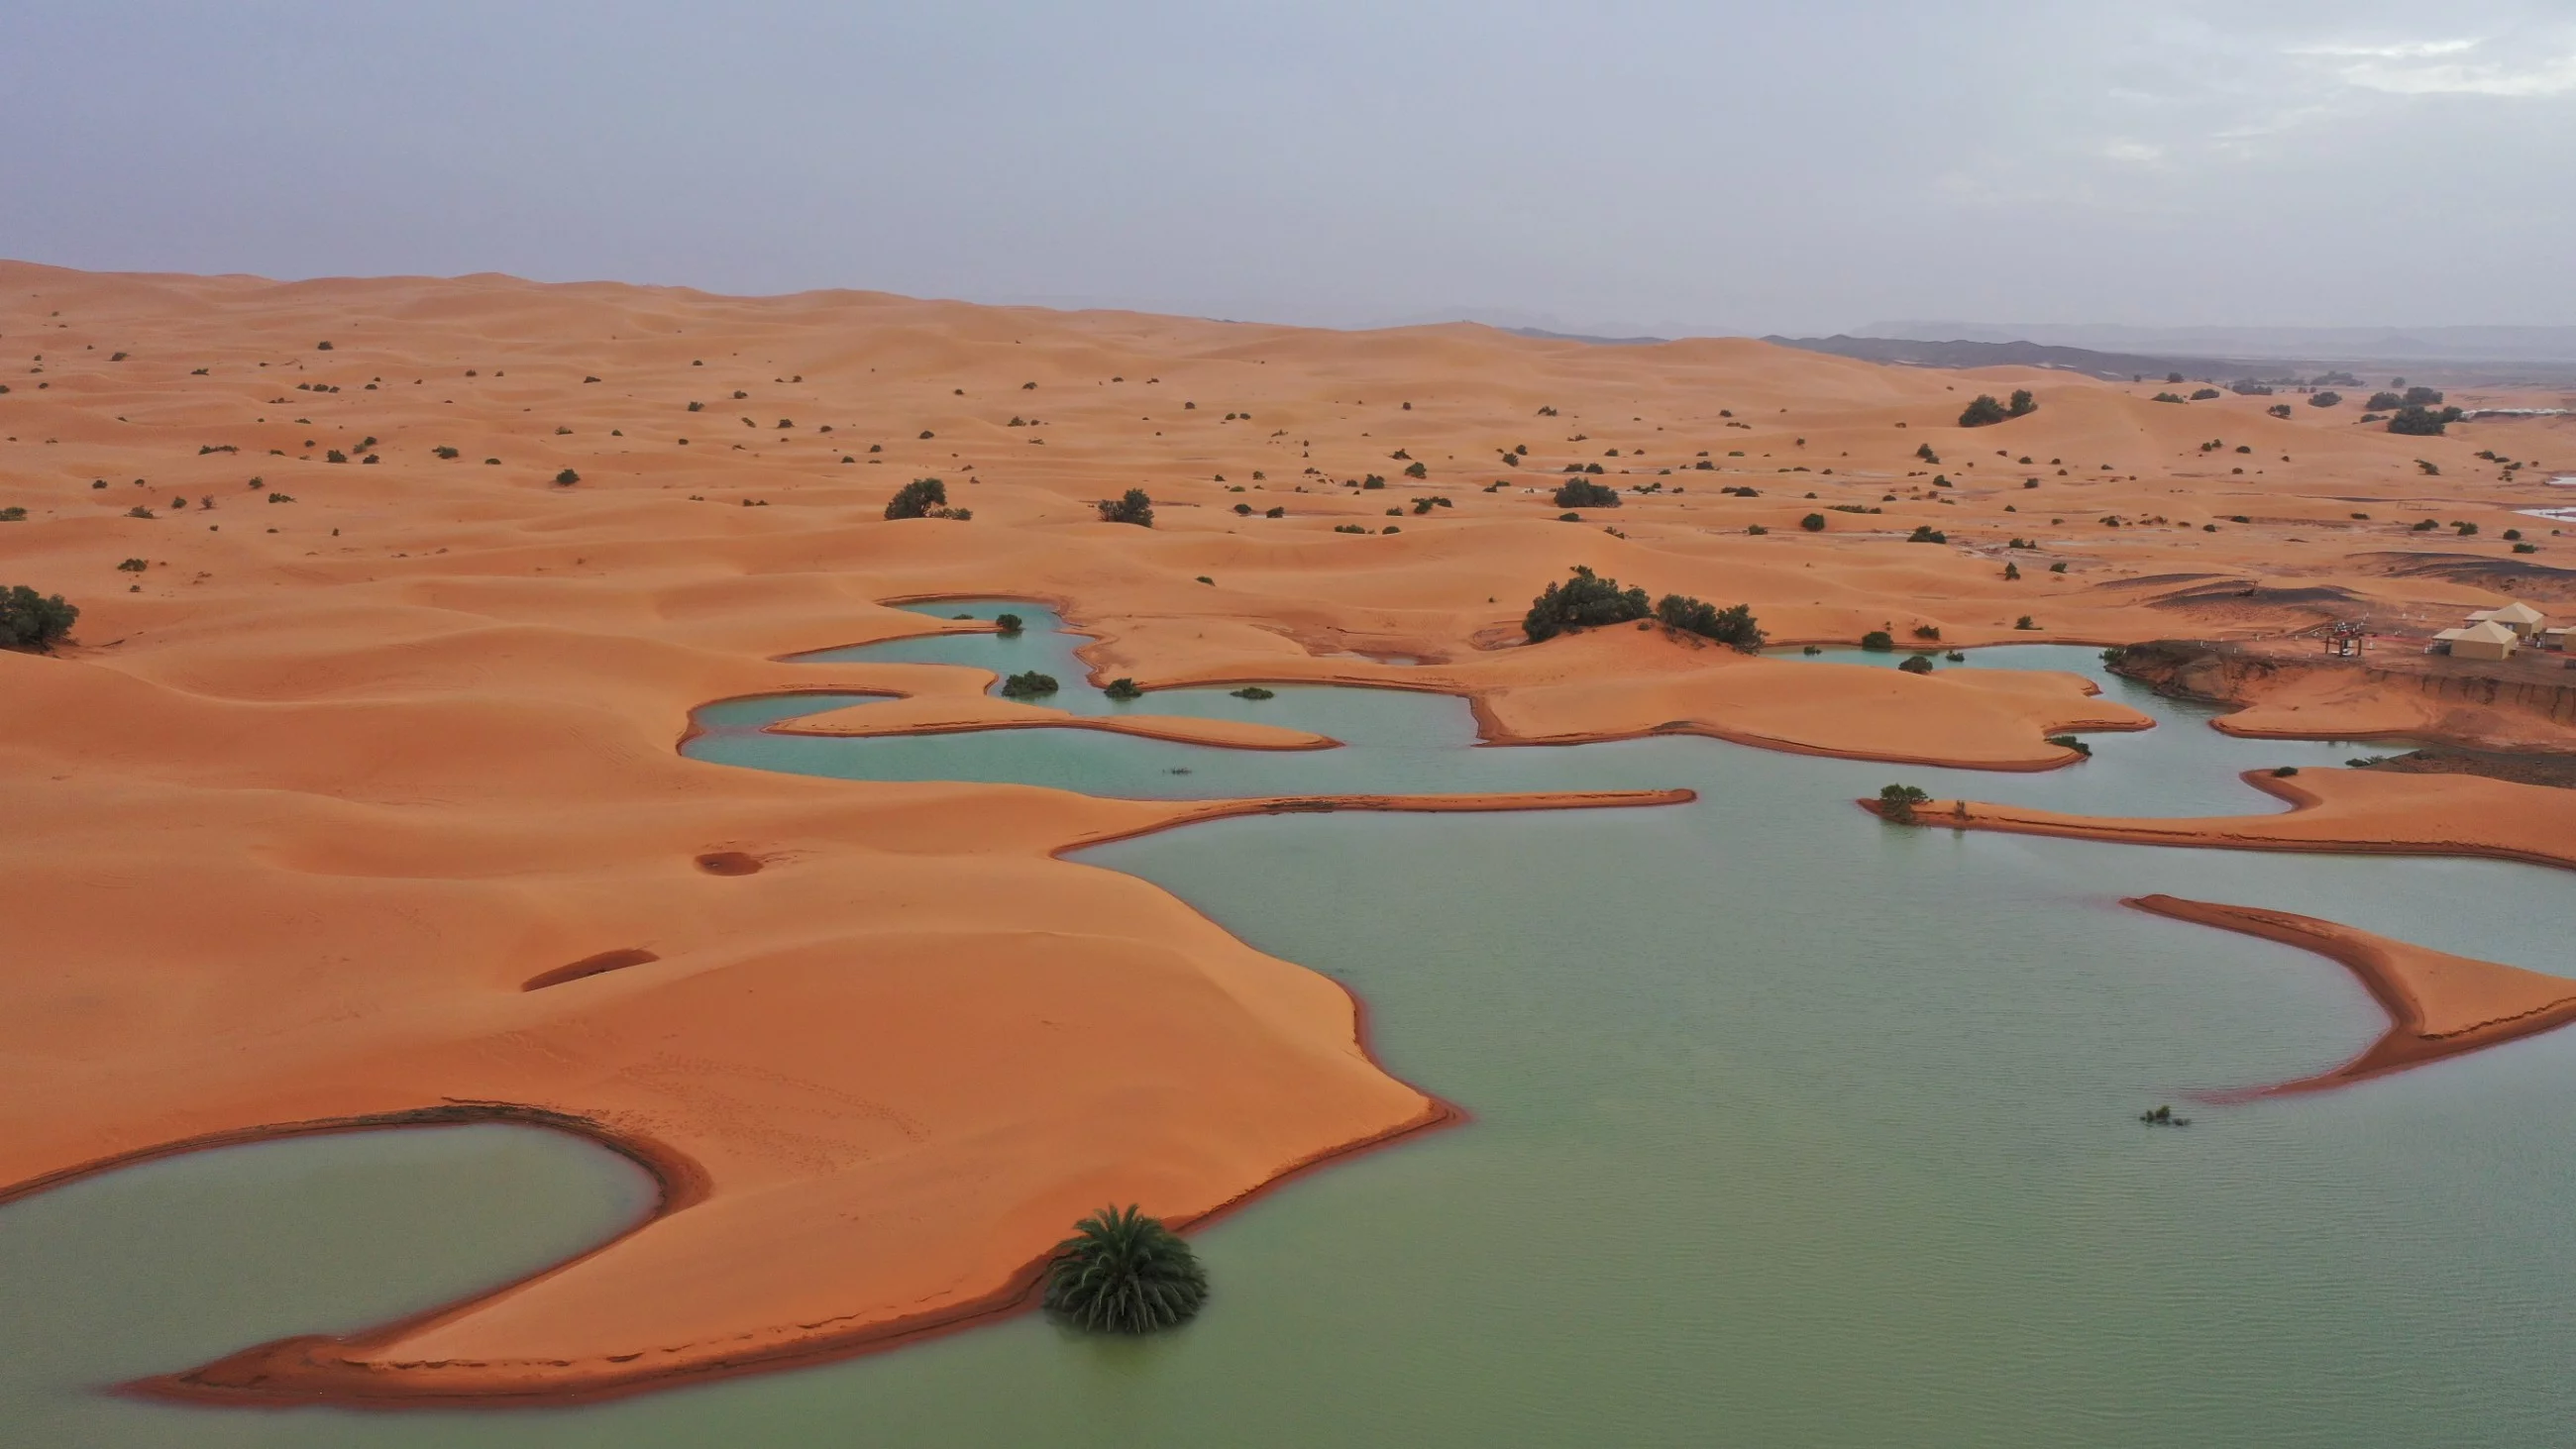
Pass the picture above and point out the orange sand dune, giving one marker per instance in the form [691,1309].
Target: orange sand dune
[368,724]
[2438,1005]
[2343,811]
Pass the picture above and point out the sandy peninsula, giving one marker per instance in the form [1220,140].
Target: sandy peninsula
[355,798]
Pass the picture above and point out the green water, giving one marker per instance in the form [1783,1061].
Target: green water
[1791,1129]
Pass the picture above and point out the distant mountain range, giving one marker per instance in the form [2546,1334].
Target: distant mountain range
[2332,344]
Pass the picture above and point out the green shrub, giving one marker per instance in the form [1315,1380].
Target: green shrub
[2023,405]
[2422,422]
[34,621]
[1897,802]
[1916,664]
[1585,601]
[1984,412]
[1813,523]
[1031,685]
[1131,507]
[2204,394]
[1254,692]
[567,478]
[917,498]
[1878,641]
[1926,533]
[13,514]
[2024,622]
[1733,625]
[1123,1272]
[2070,742]
[1417,471]
[1123,689]
[1582,493]
[1009,625]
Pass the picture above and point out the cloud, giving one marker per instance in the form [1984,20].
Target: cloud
[2445,68]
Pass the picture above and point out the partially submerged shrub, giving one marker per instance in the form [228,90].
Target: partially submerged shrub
[1029,685]
[30,620]
[1255,692]
[1133,506]
[1585,601]
[1123,689]
[1916,664]
[1009,625]
[2070,742]
[1897,802]
[1123,1272]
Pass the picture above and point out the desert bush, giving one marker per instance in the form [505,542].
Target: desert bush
[2204,394]
[1931,632]
[1254,692]
[1133,506]
[567,478]
[917,498]
[1585,601]
[1813,523]
[1417,470]
[1924,452]
[2384,402]
[2422,397]
[13,514]
[1733,625]
[2279,410]
[1926,533]
[2167,397]
[2417,421]
[34,621]
[1878,641]
[1029,685]
[2070,742]
[2022,406]
[1582,493]
[2024,622]
[1123,1272]
[1274,513]
[2325,399]
[1009,626]
[1123,689]
[1916,664]
[1984,412]
[1897,802]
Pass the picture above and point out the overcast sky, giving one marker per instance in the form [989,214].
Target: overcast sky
[1675,166]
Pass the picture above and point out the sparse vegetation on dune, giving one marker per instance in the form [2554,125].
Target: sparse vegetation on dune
[1585,601]
[34,621]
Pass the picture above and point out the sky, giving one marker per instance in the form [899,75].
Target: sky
[1619,166]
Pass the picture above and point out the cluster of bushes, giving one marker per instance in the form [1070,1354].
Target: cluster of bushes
[2325,400]
[2417,421]
[1133,506]
[30,620]
[1733,626]
[1123,689]
[1985,411]
[1585,601]
[1897,802]
[924,498]
[1030,685]
[1583,493]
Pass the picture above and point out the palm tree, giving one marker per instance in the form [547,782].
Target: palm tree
[1123,1272]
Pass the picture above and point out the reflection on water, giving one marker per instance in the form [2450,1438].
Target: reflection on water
[1792,1128]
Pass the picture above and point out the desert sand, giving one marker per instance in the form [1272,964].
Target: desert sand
[356,797]
[2438,1005]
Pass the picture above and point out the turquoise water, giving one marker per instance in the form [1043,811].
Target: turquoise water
[1791,1128]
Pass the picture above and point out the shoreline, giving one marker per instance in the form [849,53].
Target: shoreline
[2399,977]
